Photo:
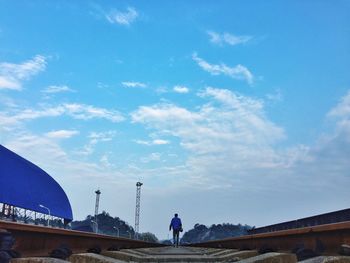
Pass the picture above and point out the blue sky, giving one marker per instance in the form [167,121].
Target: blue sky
[228,111]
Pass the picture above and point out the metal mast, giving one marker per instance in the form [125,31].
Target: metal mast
[98,192]
[137,210]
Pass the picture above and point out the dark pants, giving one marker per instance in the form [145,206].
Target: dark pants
[176,233]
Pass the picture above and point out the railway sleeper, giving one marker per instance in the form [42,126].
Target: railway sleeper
[185,254]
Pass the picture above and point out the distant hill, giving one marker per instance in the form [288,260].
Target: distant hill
[109,225]
[201,233]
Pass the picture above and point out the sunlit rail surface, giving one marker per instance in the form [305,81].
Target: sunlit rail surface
[316,220]
[283,246]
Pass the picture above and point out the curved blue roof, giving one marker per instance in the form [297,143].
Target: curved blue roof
[25,185]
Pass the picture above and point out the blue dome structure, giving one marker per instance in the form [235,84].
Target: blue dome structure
[25,185]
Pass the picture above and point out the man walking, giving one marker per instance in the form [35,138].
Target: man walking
[176,225]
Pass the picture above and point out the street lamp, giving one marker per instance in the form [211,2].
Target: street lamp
[116,228]
[129,233]
[48,219]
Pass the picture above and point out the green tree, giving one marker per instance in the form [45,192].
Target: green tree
[149,237]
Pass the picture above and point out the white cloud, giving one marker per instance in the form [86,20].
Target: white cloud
[61,134]
[122,18]
[57,89]
[227,38]
[8,102]
[231,141]
[74,110]
[9,83]
[104,160]
[181,89]
[214,37]
[87,112]
[338,143]
[101,136]
[134,84]
[142,142]
[160,142]
[151,158]
[162,90]
[233,100]
[153,142]
[325,164]
[162,112]
[277,96]
[342,109]
[230,135]
[238,72]
[94,139]
[12,75]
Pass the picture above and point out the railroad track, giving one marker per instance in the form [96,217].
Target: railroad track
[32,240]
[322,239]
[321,242]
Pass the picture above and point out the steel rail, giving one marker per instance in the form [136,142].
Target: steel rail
[33,240]
[324,239]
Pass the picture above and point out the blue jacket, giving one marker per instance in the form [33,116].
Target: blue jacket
[175,224]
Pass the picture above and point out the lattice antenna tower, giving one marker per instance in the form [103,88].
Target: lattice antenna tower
[137,210]
[97,204]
